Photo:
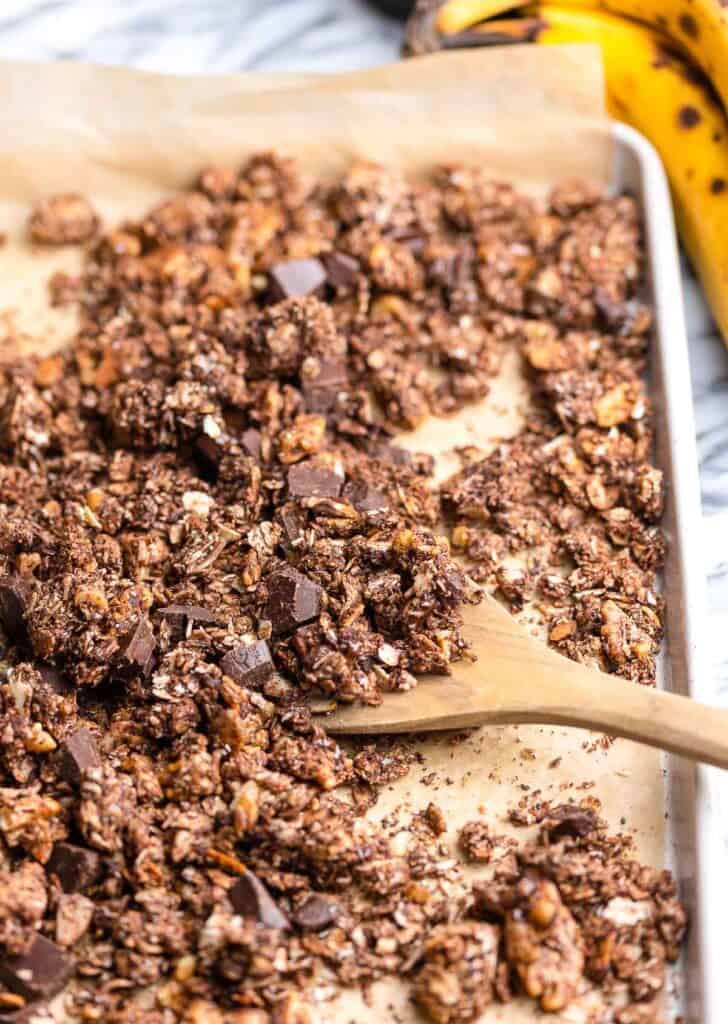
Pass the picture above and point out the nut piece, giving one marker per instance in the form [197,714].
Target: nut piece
[37,740]
[293,1009]
[456,980]
[304,437]
[614,406]
[543,944]
[562,629]
[186,967]
[203,1012]
[246,807]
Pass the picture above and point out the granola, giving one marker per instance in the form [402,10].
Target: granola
[204,520]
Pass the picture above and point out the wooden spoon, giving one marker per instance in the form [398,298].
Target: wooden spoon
[517,679]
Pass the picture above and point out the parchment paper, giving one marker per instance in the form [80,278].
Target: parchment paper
[530,116]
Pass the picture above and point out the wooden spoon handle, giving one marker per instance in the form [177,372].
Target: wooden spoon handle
[546,689]
[570,694]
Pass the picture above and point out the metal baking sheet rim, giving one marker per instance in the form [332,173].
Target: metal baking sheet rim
[695,847]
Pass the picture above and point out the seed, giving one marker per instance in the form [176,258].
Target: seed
[553,1000]
[376,359]
[561,630]
[48,371]
[613,406]
[388,654]
[460,537]
[198,503]
[202,1012]
[403,541]
[246,807]
[210,427]
[38,741]
[95,499]
[378,255]
[11,1001]
[186,966]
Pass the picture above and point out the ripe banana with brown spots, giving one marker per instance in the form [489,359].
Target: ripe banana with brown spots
[657,92]
[697,27]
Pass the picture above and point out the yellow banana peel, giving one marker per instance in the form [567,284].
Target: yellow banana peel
[456,15]
[697,27]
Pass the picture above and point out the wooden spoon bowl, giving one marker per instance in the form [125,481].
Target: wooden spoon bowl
[517,679]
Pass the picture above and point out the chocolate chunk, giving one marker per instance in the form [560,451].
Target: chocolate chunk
[295,278]
[293,600]
[14,593]
[321,389]
[365,498]
[393,453]
[137,648]
[178,616]
[53,679]
[210,449]
[249,664]
[293,523]
[308,479]
[191,612]
[39,973]
[251,443]
[77,755]
[567,820]
[453,271]
[612,312]
[342,270]
[250,898]
[619,317]
[316,913]
[75,866]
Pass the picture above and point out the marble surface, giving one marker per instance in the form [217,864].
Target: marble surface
[231,35]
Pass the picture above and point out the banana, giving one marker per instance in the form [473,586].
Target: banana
[456,15]
[658,94]
[699,28]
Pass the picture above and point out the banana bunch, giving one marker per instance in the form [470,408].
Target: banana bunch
[666,64]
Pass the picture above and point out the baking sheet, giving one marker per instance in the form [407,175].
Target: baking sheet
[530,116]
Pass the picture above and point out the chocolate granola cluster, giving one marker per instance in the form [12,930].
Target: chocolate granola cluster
[565,514]
[203,520]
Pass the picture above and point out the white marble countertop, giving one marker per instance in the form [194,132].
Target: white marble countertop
[329,35]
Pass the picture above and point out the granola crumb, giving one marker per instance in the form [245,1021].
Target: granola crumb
[64,219]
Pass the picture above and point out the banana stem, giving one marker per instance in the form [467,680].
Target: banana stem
[502,32]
